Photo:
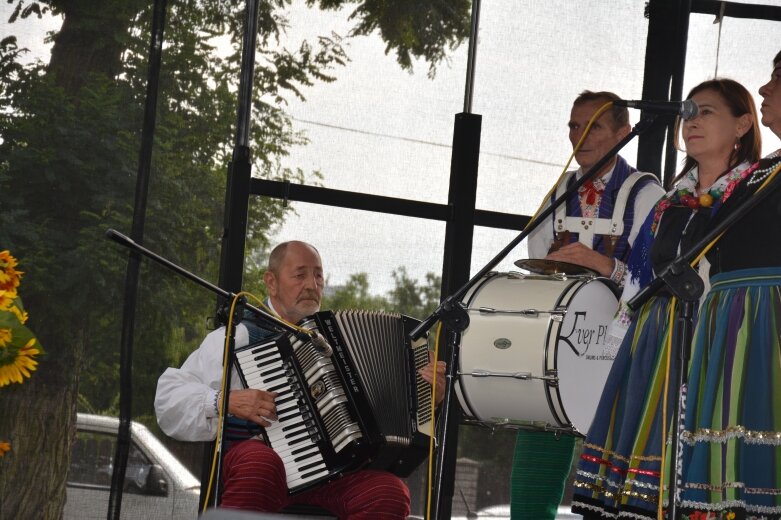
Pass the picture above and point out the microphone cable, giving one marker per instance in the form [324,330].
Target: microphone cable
[546,199]
[224,381]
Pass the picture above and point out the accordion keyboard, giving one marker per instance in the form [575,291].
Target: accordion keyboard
[294,435]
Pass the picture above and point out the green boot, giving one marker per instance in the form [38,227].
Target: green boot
[541,466]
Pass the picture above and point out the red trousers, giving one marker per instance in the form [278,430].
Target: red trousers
[253,478]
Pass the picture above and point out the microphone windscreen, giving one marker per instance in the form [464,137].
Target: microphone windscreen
[322,345]
[689,109]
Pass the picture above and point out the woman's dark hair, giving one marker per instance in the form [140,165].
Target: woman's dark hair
[740,102]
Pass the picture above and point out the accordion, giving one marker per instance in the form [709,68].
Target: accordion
[365,404]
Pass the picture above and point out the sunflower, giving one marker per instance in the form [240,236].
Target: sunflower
[21,366]
[5,447]
[5,337]
[9,276]
[6,299]
[20,313]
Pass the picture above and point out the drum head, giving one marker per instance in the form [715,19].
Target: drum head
[551,267]
[583,355]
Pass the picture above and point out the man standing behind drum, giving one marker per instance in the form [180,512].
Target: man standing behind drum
[594,229]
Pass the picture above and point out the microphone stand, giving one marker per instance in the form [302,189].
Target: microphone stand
[684,282]
[269,321]
[452,312]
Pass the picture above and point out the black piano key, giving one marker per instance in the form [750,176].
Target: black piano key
[306,457]
[286,407]
[300,450]
[291,435]
[307,475]
[275,371]
[287,413]
[275,388]
[274,378]
[289,427]
[298,440]
[283,399]
[305,467]
[266,358]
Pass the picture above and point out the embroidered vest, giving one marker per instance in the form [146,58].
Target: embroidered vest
[620,193]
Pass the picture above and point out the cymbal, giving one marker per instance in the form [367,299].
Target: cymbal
[548,267]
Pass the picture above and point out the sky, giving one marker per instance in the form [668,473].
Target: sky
[382,130]
[532,59]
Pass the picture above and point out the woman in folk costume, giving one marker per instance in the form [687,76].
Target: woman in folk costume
[619,472]
[732,435]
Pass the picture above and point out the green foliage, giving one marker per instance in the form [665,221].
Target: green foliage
[69,141]
[408,296]
[68,173]
[413,299]
[411,28]
[355,295]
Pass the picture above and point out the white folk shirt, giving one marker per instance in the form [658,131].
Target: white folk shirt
[184,401]
[185,397]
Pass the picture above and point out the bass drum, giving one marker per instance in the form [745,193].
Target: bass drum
[534,354]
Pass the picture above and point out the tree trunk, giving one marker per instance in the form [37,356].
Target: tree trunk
[91,41]
[38,418]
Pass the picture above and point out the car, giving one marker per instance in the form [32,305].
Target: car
[503,512]
[157,485]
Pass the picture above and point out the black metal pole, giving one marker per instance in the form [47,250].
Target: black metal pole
[456,264]
[659,52]
[686,311]
[240,168]
[676,80]
[236,205]
[455,271]
[665,59]
[134,263]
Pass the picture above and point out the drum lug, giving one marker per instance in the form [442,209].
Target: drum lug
[528,313]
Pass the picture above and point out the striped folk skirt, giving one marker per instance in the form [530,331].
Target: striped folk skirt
[731,444]
[618,473]
[732,439]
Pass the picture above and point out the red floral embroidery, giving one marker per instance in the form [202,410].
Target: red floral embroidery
[591,192]
[676,197]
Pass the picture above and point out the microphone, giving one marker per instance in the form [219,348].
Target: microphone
[321,345]
[686,109]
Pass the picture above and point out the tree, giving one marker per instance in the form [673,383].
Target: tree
[69,135]
[408,296]
[354,295]
[412,299]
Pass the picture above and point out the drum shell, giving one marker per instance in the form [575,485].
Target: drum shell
[564,342]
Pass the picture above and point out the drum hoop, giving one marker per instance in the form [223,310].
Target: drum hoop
[552,392]
[465,395]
